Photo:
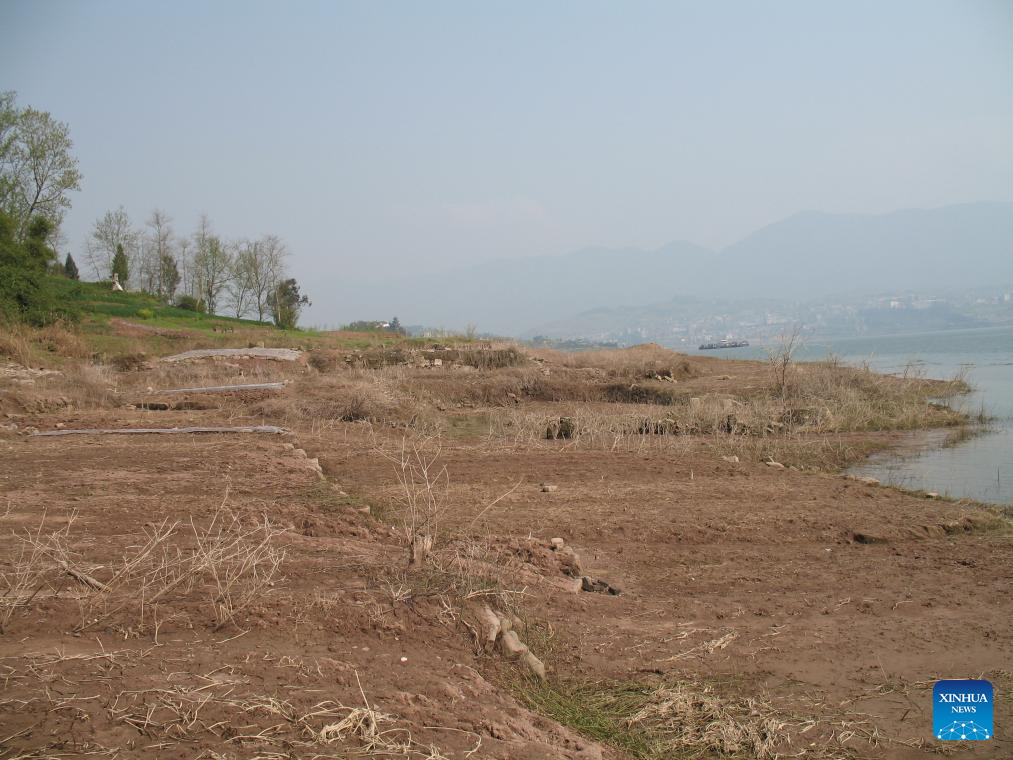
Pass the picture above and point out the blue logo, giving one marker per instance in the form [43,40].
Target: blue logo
[962,710]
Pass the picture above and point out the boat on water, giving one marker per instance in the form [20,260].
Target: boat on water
[724,344]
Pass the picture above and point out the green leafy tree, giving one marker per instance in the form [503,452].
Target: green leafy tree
[287,303]
[37,243]
[395,326]
[70,268]
[37,168]
[25,295]
[120,267]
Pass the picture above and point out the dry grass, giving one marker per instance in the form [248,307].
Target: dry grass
[29,569]
[31,346]
[666,720]
[638,362]
[229,562]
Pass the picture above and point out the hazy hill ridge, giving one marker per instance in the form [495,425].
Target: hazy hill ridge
[807,255]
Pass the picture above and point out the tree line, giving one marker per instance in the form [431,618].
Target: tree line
[200,271]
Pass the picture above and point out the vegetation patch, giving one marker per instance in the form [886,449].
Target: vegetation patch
[651,721]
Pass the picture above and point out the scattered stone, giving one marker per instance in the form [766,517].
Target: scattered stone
[491,627]
[512,645]
[257,352]
[533,664]
[569,562]
[598,586]
[868,538]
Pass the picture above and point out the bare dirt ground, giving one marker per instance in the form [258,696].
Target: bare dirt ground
[819,608]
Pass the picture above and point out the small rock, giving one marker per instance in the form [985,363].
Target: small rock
[557,543]
[733,459]
[491,626]
[598,586]
[931,495]
[534,665]
[775,465]
[60,426]
[512,645]
[548,489]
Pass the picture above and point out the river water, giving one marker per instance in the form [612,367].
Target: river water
[981,467]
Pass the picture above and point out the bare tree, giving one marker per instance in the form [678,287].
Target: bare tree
[266,271]
[112,229]
[165,273]
[211,264]
[240,288]
[184,259]
[781,357]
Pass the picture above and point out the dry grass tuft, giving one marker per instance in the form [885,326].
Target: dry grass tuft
[230,563]
[656,721]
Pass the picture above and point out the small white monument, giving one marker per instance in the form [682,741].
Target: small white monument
[116,283]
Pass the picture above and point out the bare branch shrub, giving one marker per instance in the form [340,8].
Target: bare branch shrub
[423,485]
[780,358]
[29,569]
[240,562]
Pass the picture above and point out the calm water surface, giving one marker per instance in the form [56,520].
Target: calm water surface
[980,468]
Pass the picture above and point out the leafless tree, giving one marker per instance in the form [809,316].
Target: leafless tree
[113,228]
[781,357]
[266,270]
[157,270]
[212,265]
[240,290]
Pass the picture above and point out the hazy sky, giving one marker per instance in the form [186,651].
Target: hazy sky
[396,136]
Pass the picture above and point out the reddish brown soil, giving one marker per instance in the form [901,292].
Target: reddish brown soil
[832,599]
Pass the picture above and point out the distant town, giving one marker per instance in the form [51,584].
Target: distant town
[685,323]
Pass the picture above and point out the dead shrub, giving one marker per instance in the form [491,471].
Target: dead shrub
[642,394]
[320,361]
[132,362]
[87,385]
[423,488]
[356,408]
[15,345]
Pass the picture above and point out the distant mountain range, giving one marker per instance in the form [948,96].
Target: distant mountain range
[806,256]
